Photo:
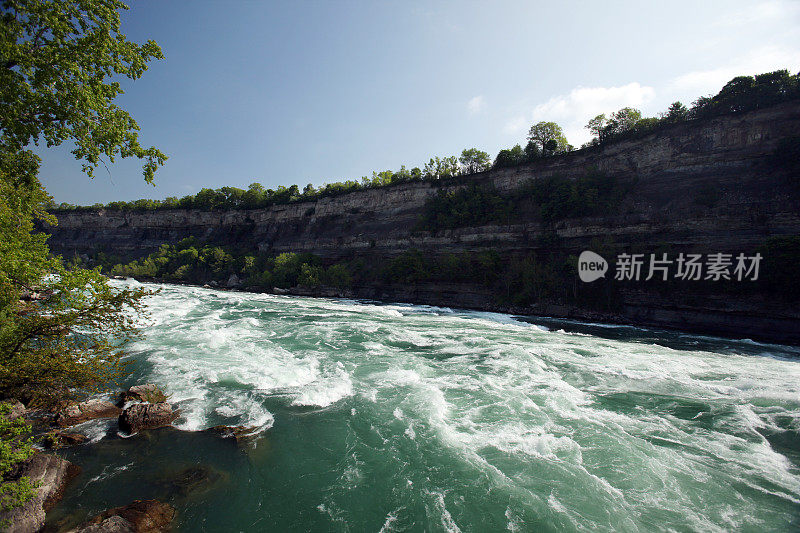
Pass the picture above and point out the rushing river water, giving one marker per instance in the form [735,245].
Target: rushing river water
[410,418]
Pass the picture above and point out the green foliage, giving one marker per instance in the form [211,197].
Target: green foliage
[548,136]
[310,275]
[474,160]
[510,157]
[555,198]
[676,112]
[189,261]
[559,197]
[338,276]
[471,161]
[15,447]
[56,58]
[468,206]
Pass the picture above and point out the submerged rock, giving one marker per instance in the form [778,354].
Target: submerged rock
[238,433]
[149,393]
[146,416]
[51,474]
[189,480]
[141,516]
[88,410]
[63,439]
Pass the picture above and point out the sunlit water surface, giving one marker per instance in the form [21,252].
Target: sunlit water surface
[410,418]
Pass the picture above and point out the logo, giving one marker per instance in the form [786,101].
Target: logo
[591,266]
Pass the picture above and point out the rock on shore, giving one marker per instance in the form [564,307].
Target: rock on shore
[141,516]
[77,413]
[52,475]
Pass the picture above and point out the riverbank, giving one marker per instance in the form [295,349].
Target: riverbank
[744,324]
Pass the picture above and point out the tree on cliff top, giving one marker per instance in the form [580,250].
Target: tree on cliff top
[60,328]
[473,160]
[548,136]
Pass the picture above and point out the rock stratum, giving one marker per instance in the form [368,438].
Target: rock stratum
[668,207]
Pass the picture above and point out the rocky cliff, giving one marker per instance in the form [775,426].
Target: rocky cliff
[701,187]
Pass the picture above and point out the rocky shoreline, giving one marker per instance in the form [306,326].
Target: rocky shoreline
[141,408]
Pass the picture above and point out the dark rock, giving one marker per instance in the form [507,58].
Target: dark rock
[239,433]
[141,516]
[149,393]
[192,479]
[51,474]
[233,281]
[88,410]
[146,416]
[63,439]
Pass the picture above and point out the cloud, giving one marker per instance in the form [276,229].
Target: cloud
[764,59]
[572,111]
[476,104]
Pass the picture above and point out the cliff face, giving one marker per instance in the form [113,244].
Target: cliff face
[670,174]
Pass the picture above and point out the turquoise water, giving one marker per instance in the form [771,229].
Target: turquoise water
[411,418]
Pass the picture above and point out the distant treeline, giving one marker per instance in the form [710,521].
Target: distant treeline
[546,275]
[545,139]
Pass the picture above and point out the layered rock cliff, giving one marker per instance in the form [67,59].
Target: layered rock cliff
[702,187]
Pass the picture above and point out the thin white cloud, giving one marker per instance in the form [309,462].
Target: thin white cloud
[572,111]
[476,104]
[764,59]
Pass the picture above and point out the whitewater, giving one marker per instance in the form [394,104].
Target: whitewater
[394,417]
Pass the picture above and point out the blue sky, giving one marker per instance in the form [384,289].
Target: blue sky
[314,92]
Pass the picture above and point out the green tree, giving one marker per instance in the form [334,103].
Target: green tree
[59,60]
[473,160]
[676,112]
[510,157]
[597,126]
[621,121]
[545,134]
[14,448]
[56,61]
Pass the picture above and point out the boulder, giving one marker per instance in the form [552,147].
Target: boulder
[233,281]
[146,416]
[51,474]
[141,516]
[88,410]
[239,433]
[149,393]
[63,439]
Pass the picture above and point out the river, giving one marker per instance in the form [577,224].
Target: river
[394,417]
